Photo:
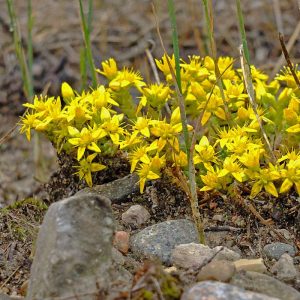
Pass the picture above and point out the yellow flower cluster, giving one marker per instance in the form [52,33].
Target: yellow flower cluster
[143,120]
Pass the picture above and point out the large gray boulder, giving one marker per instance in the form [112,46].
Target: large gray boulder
[74,249]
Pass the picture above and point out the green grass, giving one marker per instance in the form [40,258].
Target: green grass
[189,150]
[25,64]
[86,30]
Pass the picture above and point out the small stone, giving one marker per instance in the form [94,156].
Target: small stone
[219,270]
[158,241]
[116,190]
[219,218]
[262,283]
[220,291]
[254,265]
[121,241]
[191,255]
[275,250]
[225,254]
[286,234]
[136,215]
[284,269]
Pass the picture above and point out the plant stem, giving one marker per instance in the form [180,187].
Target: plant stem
[27,82]
[177,81]
[86,30]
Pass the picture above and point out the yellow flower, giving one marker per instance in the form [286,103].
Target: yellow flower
[110,69]
[250,158]
[140,154]
[167,131]
[235,92]
[227,136]
[287,77]
[164,66]
[28,122]
[77,111]
[85,139]
[142,125]
[194,70]
[212,181]
[154,96]
[126,79]
[131,139]
[86,167]
[67,92]
[145,173]
[264,179]
[180,159]
[231,166]
[291,175]
[100,97]
[226,63]
[205,153]
[214,106]
[111,125]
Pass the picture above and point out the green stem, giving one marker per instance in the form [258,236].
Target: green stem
[88,47]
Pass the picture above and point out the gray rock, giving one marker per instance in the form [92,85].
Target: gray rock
[116,190]
[195,255]
[159,240]
[225,254]
[275,250]
[191,255]
[284,269]
[265,284]
[220,291]
[74,249]
[218,270]
[117,257]
[136,215]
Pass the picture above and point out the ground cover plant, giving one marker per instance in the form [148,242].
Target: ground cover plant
[229,154]
[240,129]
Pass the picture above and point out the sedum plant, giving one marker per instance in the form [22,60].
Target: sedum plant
[127,114]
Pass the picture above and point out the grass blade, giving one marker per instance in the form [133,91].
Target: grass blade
[191,168]
[86,27]
[172,15]
[242,31]
[29,39]
[19,50]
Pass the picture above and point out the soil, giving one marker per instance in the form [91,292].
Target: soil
[125,32]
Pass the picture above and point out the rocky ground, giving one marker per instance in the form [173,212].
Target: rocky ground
[158,223]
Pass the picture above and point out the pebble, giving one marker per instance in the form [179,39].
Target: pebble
[225,254]
[136,215]
[220,291]
[284,269]
[158,241]
[254,265]
[275,250]
[262,283]
[195,255]
[121,241]
[219,270]
[191,255]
